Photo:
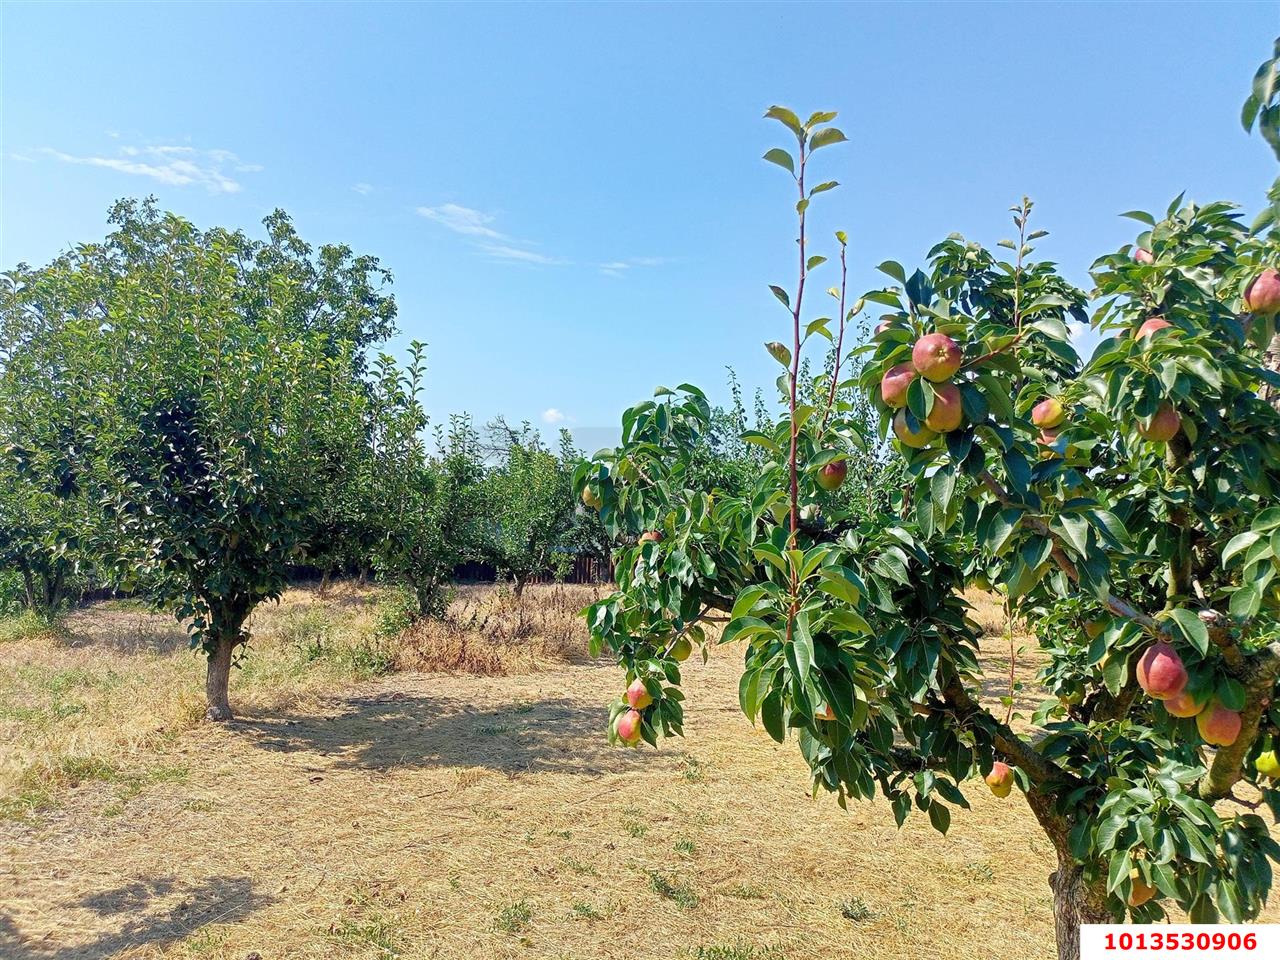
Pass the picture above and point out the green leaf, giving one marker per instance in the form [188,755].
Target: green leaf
[939,816]
[1238,543]
[826,137]
[1116,672]
[1192,627]
[771,716]
[787,118]
[781,158]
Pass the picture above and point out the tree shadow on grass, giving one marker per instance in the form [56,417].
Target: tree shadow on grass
[396,730]
[156,912]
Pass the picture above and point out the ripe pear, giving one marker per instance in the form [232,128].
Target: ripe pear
[681,650]
[831,475]
[948,411]
[628,728]
[1218,725]
[1160,672]
[894,384]
[1163,425]
[917,440]
[1262,295]
[936,356]
[1151,325]
[1048,413]
[1000,779]
[638,695]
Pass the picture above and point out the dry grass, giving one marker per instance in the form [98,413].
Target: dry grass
[487,630]
[455,816]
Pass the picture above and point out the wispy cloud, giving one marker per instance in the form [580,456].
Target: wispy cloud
[552,416]
[362,188]
[499,251]
[488,239]
[464,220]
[619,268]
[176,166]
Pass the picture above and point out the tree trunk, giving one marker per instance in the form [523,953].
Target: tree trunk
[1075,900]
[29,587]
[520,582]
[218,677]
[324,581]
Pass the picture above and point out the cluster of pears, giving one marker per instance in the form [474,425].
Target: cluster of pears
[628,723]
[1163,677]
[937,358]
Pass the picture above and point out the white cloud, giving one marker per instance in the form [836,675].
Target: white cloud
[362,188]
[618,268]
[459,219]
[500,251]
[552,415]
[490,241]
[176,166]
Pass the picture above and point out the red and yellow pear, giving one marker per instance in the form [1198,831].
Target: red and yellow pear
[1218,725]
[1262,295]
[638,695]
[1163,425]
[1160,671]
[916,440]
[831,475]
[826,713]
[1183,704]
[894,384]
[1142,255]
[1000,779]
[628,727]
[1048,413]
[1151,325]
[948,412]
[650,536]
[937,357]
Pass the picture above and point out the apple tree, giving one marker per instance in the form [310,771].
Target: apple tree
[1124,504]
[426,506]
[529,505]
[199,396]
[45,512]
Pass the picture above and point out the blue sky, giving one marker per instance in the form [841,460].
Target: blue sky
[571,196]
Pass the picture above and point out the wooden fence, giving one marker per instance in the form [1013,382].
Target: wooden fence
[584,570]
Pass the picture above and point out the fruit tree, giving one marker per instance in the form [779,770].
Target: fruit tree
[1124,504]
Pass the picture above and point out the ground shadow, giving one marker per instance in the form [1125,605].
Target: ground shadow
[397,729]
[156,912]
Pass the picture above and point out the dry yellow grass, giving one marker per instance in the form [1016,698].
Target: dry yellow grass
[432,815]
[488,630]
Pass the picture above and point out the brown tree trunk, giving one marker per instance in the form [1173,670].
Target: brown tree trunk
[218,678]
[1075,900]
[520,582]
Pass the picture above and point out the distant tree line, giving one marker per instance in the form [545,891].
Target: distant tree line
[195,416]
